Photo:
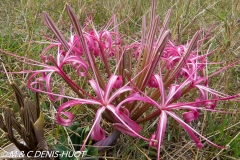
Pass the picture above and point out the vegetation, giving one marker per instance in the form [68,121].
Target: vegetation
[23,32]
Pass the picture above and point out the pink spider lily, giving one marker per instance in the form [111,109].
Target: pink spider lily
[166,108]
[45,74]
[104,101]
[75,49]
[121,97]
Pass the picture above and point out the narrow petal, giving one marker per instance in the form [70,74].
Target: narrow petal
[161,130]
[48,88]
[112,109]
[190,131]
[161,87]
[137,97]
[98,133]
[122,128]
[174,91]
[69,116]
[97,89]
[112,80]
[214,92]
[118,92]
[97,130]
[76,61]
[128,121]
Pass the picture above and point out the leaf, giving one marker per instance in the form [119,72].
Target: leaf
[44,105]
[39,131]
[84,135]
[74,126]
[93,151]
[77,139]
[60,148]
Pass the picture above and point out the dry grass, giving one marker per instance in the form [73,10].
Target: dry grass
[21,31]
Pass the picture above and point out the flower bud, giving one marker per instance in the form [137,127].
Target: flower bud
[190,116]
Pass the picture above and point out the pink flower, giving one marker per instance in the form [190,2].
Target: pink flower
[190,116]
[153,82]
[118,83]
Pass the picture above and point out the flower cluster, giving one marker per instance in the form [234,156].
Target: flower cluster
[151,72]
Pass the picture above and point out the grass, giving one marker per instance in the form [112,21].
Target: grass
[21,31]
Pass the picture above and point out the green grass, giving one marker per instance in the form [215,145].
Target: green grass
[21,31]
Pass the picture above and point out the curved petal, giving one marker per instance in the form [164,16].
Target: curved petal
[98,133]
[174,91]
[122,128]
[112,109]
[69,116]
[98,129]
[65,121]
[178,89]
[118,92]
[106,38]
[43,56]
[112,80]
[49,90]
[137,96]
[78,63]
[90,41]
[190,131]
[128,121]
[99,92]
[37,81]
[75,45]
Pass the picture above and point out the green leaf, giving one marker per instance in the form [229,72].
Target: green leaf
[79,138]
[84,134]
[60,148]
[93,151]
[44,105]
[74,126]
